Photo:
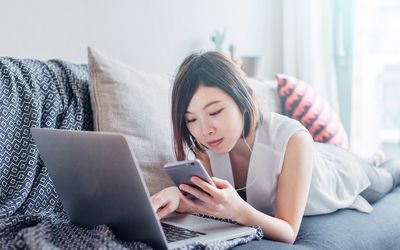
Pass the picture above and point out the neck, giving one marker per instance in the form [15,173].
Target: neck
[241,149]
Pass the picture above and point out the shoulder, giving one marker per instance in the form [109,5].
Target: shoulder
[301,138]
[275,122]
[279,120]
[277,129]
[300,148]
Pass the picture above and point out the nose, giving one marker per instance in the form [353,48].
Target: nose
[207,128]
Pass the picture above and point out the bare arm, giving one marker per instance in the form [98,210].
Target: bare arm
[292,193]
[291,198]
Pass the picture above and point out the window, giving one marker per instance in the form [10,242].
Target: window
[376,90]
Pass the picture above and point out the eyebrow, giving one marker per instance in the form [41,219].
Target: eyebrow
[206,106]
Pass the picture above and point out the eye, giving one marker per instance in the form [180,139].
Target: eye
[217,112]
[189,121]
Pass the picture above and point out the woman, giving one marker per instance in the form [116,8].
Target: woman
[266,167]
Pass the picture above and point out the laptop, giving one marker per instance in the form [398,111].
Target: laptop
[98,180]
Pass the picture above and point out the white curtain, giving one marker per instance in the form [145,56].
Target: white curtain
[366,68]
[308,49]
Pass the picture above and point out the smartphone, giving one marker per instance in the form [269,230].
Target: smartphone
[181,172]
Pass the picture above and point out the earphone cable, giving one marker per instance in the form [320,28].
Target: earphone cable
[251,151]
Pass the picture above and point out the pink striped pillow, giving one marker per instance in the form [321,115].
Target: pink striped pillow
[301,102]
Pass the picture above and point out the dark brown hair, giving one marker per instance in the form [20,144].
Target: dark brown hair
[212,69]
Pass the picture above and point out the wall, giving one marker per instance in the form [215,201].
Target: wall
[148,35]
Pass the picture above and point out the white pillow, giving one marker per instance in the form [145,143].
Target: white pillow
[136,104]
[267,94]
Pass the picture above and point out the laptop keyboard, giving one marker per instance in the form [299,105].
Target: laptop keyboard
[174,233]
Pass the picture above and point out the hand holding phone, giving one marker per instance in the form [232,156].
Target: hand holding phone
[181,172]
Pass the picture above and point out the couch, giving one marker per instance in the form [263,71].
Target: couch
[55,94]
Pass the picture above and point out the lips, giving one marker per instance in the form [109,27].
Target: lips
[214,143]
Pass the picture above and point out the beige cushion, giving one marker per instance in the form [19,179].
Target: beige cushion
[267,94]
[136,104]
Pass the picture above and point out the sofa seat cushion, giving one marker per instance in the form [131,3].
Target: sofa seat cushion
[347,229]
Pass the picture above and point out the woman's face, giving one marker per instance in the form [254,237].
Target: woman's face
[214,119]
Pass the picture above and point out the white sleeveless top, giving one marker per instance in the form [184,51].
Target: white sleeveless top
[336,182]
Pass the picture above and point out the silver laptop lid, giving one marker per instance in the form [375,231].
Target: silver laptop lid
[98,181]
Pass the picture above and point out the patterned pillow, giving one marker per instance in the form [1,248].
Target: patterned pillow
[301,102]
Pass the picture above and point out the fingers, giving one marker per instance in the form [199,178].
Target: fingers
[210,205]
[195,207]
[220,183]
[165,211]
[159,205]
[205,186]
[216,191]
[197,193]
[158,201]
[165,201]
[189,204]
